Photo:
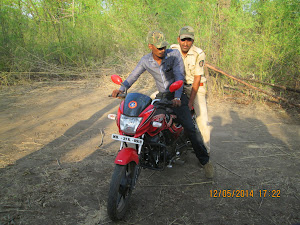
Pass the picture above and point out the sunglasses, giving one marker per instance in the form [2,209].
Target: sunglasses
[161,48]
[186,39]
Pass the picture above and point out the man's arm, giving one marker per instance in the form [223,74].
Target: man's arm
[133,76]
[194,91]
[178,71]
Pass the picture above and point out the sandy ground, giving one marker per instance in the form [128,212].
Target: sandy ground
[54,169]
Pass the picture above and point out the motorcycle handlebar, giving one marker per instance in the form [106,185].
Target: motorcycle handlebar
[120,95]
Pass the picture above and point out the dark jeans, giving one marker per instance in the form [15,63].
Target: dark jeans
[183,114]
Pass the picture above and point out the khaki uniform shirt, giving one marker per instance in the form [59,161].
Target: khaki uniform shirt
[193,63]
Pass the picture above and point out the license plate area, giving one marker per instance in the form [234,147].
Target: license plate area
[132,140]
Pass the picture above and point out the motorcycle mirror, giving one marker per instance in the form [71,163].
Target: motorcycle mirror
[116,79]
[176,85]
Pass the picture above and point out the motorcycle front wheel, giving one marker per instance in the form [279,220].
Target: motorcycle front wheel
[121,186]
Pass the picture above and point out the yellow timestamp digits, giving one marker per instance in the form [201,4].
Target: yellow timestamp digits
[231,193]
[243,193]
[269,193]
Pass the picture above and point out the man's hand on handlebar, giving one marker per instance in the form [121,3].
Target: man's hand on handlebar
[176,102]
[115,93]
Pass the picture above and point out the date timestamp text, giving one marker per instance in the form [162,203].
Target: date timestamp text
[228,193]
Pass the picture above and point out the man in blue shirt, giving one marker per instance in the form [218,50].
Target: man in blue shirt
[166,66]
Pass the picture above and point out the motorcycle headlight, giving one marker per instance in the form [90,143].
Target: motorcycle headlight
[129,124]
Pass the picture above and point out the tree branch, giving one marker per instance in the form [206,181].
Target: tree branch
[249,85]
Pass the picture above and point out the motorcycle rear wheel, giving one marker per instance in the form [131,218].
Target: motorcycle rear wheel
[121,186]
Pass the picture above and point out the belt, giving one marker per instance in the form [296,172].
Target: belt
[201,84]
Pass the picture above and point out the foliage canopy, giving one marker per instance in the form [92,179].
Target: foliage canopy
[246,37]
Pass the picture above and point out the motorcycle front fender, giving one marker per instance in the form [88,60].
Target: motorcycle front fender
[127,155]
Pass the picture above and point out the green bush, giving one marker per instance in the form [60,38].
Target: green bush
[257,38]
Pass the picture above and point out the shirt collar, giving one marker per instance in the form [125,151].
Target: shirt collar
[151,59]
[190,51]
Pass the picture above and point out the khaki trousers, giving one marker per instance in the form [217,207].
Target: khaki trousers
[200,108]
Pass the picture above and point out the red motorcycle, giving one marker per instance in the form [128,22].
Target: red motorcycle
[147,141]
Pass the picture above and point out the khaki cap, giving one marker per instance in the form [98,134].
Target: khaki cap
[157,38]
[186,32]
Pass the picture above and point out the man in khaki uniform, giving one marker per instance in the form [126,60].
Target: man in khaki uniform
[195,82]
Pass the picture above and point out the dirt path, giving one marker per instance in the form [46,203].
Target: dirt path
[52,170]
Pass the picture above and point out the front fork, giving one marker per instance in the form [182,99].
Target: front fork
[126,155]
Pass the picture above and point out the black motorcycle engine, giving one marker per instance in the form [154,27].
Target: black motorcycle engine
[155,152]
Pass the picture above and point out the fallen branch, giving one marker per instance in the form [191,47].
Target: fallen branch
[262,199]
[78,204]
[63,73]
[144,218]
[273,85]
[174,221]
[262,156]
[175,185]
[58,163]
[229,170]
[296,196]
[292,155]
[249,85]
[30,142]
[269,218]
[102,137]
[18,210]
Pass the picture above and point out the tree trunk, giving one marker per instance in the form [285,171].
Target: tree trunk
[220,22]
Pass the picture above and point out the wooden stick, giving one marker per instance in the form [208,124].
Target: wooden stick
[102,136]
[18,210]
[249,85]
[273,85]
[229,170]
[50,73]
[58,163]
[175,185]
[261,156]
